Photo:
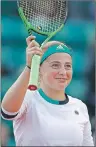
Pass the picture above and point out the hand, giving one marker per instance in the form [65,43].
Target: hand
[32,48]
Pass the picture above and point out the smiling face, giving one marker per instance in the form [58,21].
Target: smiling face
[56,71]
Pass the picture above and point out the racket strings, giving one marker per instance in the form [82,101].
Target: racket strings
[44,15]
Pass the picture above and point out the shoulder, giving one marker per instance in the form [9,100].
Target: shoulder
[77,101]
[80,104]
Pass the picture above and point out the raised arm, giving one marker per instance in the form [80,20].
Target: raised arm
[14,96]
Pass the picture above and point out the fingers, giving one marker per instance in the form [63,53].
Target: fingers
[31,41]
[35,50]
[35,53]
[34,47]
[30,52]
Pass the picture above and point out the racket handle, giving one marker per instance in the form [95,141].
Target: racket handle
[34,74]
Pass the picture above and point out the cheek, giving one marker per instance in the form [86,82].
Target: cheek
[69,75]
[52,76]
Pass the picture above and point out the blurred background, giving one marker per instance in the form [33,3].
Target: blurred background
[78,33]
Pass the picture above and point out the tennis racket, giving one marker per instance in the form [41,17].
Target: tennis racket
[46,17]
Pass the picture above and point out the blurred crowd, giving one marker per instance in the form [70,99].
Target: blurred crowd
[78,33]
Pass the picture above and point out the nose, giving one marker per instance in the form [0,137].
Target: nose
[62,71]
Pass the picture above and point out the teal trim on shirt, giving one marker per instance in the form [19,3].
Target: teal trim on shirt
[50,100]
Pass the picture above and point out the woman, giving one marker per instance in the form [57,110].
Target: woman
[47,116]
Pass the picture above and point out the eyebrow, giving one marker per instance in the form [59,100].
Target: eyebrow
[68,63]
[60,62]
[55,62]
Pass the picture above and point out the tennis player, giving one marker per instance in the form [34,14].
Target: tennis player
[47,116]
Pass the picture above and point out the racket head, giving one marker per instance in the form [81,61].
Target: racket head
[43,16]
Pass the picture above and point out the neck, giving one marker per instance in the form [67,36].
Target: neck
[52,93]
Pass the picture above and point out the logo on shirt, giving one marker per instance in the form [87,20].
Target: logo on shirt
[76,112]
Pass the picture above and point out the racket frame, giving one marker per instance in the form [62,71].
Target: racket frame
[33,82]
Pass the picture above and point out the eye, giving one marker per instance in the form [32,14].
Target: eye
[55,65]
[68,66]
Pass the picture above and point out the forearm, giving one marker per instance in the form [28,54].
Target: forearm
[14,97]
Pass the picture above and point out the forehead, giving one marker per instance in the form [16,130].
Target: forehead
[62,57]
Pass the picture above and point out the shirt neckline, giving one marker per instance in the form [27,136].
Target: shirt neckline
[50,100]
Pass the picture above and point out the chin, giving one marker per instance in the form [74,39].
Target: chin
[60,87]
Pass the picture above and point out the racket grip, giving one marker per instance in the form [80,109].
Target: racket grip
[34,74]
